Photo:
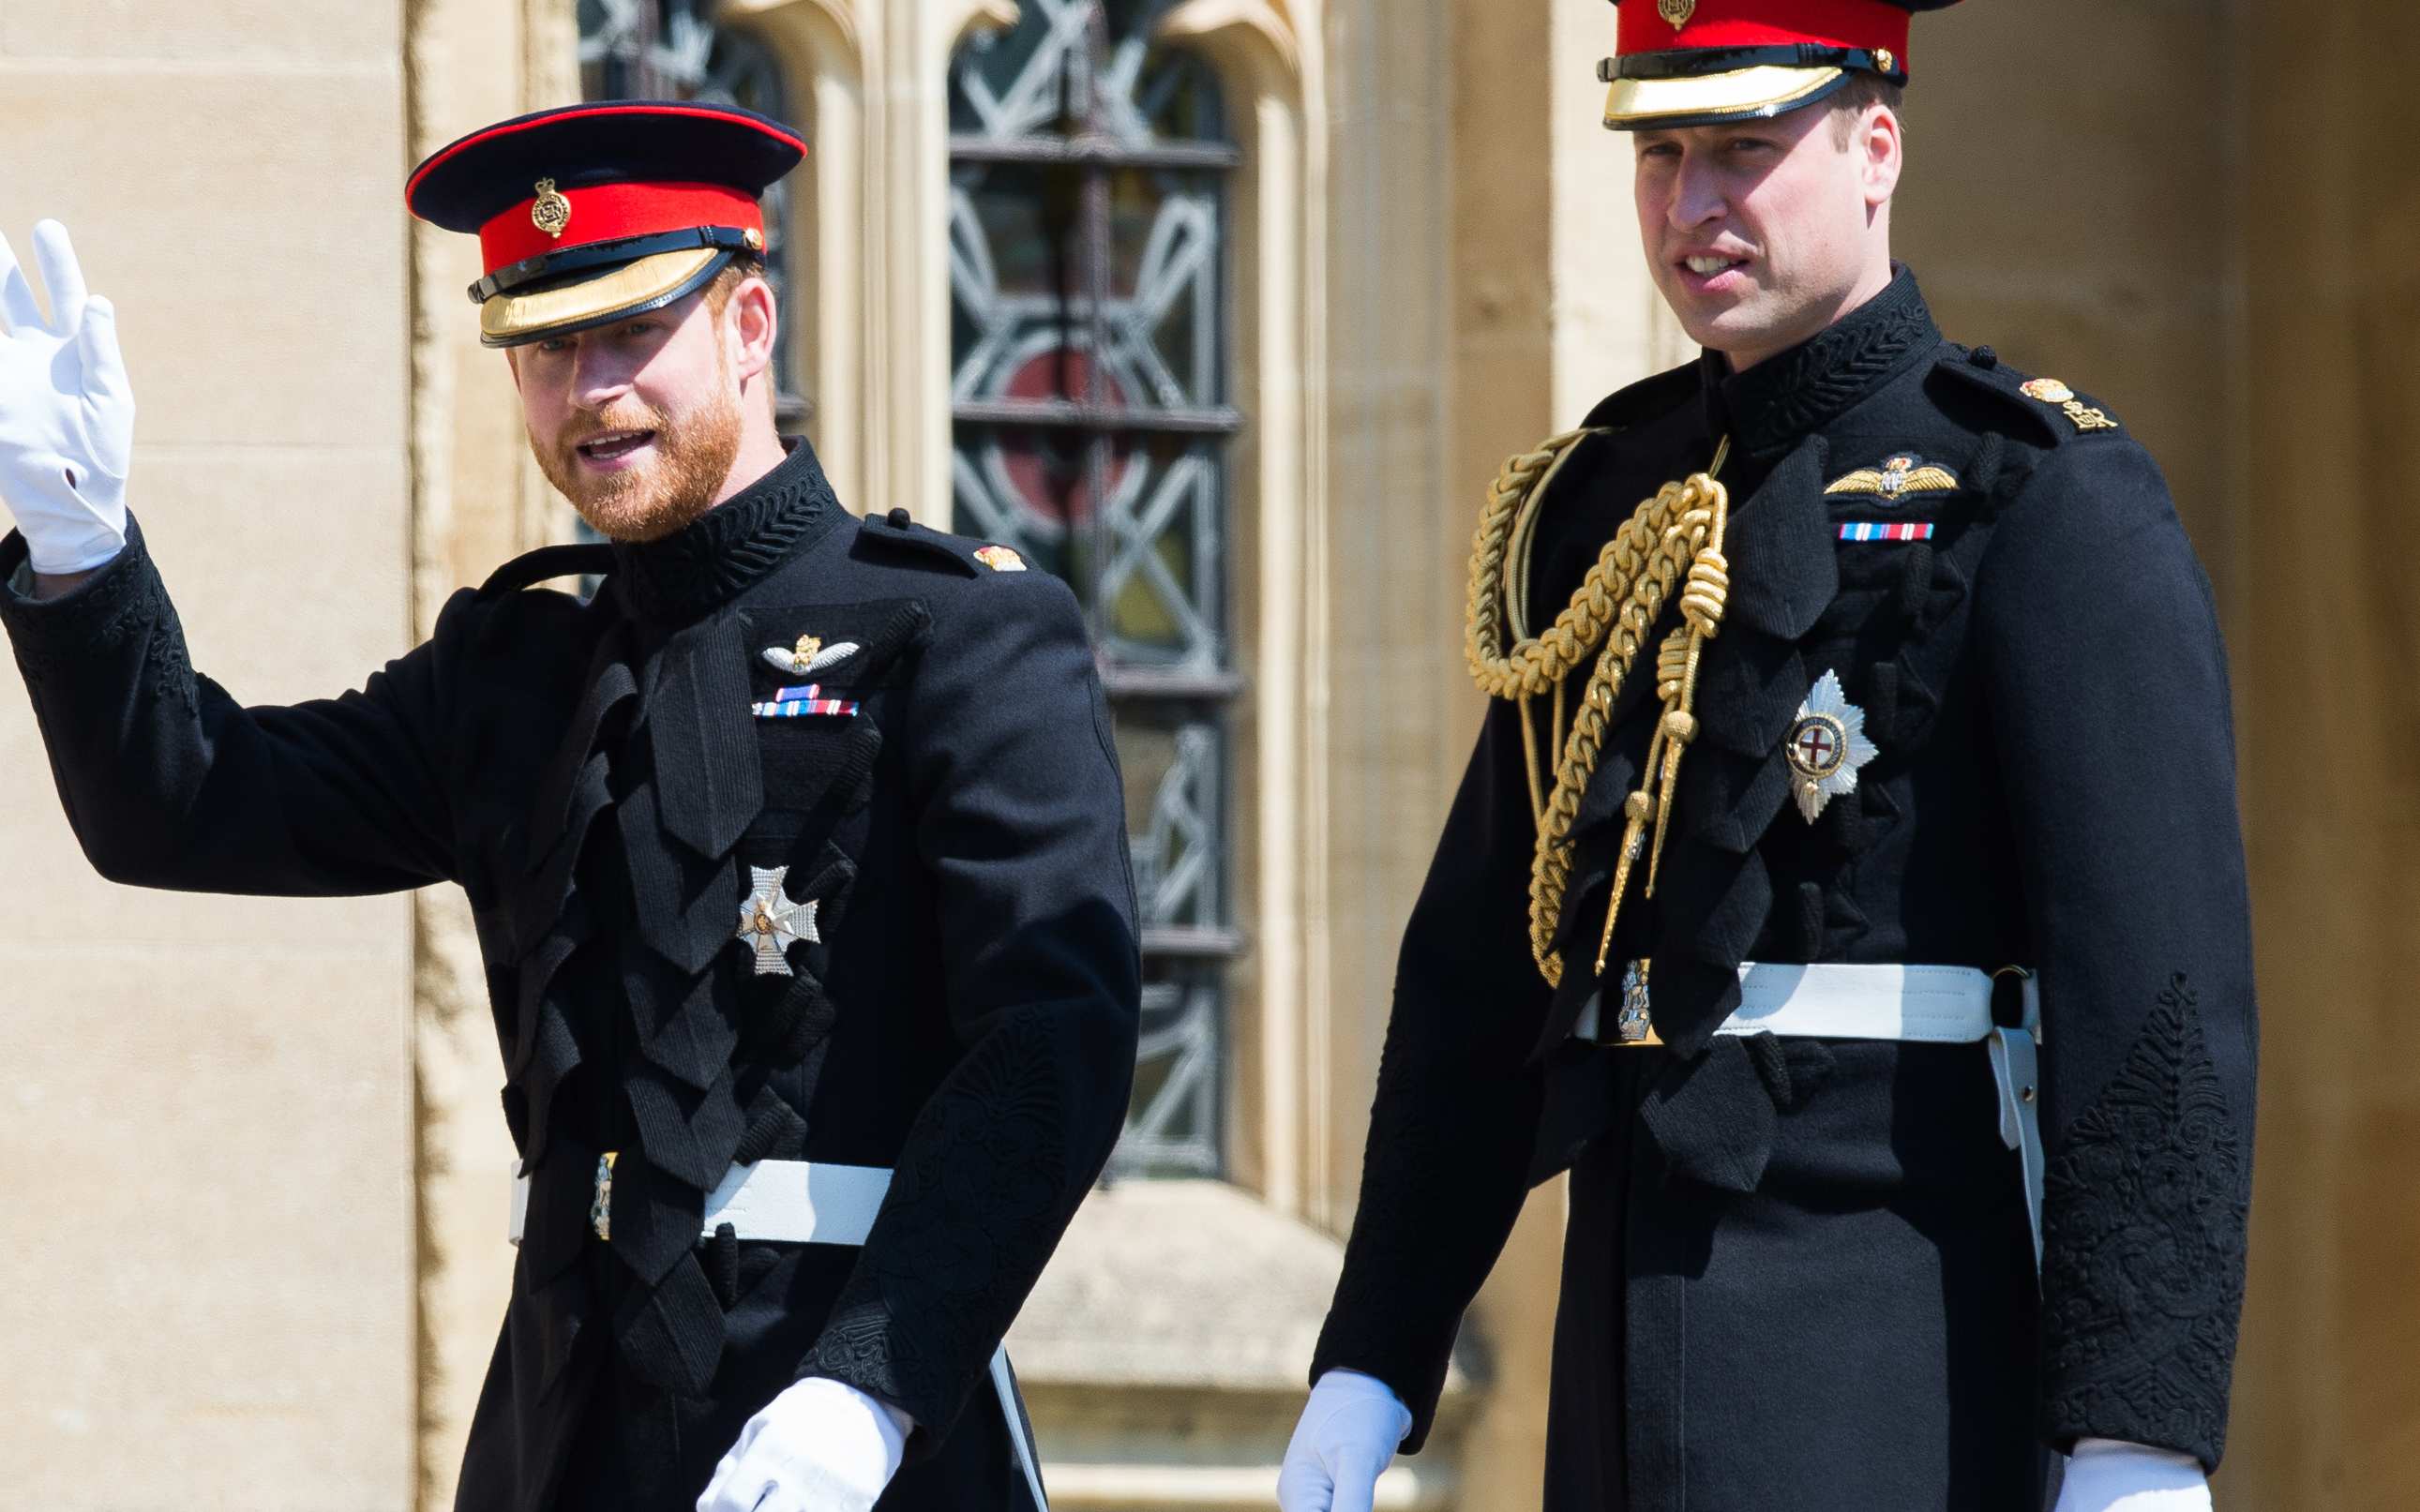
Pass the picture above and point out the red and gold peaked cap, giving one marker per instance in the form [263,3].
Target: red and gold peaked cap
[591,214]
[1701,62]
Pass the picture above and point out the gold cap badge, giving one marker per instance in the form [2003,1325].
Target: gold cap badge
[1676,11]
[552,212]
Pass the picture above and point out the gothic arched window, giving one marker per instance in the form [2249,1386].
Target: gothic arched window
[1089,170]
[673,49]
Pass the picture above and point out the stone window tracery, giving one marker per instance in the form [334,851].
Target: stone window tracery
[1089,179]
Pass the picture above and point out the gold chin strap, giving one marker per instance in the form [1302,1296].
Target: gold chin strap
[1677,533]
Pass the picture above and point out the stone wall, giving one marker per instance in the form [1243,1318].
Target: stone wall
[2326,637]
[205,1115]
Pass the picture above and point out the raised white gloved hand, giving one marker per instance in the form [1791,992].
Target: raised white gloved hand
[2106,1475]
[820,1446]
[67,412]
[1348,1431]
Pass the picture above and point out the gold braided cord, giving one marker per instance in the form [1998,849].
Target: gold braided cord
[1673,536]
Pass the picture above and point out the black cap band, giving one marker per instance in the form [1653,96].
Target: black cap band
[602,254]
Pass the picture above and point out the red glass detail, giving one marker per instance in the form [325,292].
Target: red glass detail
[1049,469]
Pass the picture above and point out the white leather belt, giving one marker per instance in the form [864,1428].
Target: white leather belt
[807,1202]
[1838,1000]
[773,1201]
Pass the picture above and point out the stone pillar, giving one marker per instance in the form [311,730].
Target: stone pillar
[2328,625]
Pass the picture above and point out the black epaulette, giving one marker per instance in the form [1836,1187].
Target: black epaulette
[1645,400]
[588,559]
[976,559]
[2052,412]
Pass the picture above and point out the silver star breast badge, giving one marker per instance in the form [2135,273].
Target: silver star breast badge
[769,920]
[1827,745]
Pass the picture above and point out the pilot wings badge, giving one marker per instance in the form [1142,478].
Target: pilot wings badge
[809,656]
[1900,476]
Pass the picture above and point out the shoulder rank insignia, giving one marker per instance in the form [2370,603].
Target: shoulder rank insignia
[1900,476]
[2052,391]
[809,656]
[769,920]
[1825,746]
[1000,559]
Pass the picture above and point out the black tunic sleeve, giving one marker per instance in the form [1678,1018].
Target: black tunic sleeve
[169,783]
[2109,704]
[1456,1116]
[1021,815]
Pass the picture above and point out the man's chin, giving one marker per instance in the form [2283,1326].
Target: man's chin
[635,516]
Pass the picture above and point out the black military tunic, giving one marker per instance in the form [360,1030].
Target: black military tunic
[595,777]
[1798,1271]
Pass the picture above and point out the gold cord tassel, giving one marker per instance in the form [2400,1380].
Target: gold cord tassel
[1677,533]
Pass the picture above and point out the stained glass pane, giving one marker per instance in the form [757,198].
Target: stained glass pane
[1172,1129]
[1087,272]
[1175,769]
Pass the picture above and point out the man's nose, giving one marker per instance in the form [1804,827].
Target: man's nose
[1697,196]
[598,377]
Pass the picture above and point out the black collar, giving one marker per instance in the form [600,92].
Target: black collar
[731,547]
[1768,408]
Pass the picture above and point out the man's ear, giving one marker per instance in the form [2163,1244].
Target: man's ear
[753,320]
[1883,145]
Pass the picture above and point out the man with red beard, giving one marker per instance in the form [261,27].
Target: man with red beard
[783,1186]
[1846,887]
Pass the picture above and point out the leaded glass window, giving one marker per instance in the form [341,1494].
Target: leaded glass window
[1089,170]
[674,49]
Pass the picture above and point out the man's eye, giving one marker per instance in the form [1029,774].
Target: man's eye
[1747,144]
[1659,149]
[554,346]
[638,327]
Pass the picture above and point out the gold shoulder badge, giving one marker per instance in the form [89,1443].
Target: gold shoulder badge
[2051,390]
[1900,476]
[552,212]
[1000,559]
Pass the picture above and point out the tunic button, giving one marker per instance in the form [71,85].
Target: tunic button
[899,519]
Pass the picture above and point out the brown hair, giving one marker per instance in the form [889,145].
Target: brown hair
[1849,101]
[743,266]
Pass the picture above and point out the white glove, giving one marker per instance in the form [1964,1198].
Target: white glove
[67,412]
[1348,1431]
[2106,1475]
[820,1446]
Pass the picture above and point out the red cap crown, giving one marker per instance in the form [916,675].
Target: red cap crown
[1670,25]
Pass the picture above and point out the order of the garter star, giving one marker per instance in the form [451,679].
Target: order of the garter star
[1827,745]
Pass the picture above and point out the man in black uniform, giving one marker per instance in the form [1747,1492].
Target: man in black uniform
[797,854]
[1885,744]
